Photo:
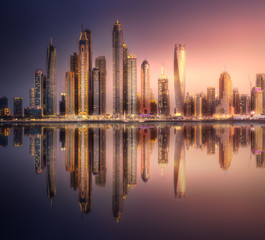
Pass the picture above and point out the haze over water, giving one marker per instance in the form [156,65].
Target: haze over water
[120,181]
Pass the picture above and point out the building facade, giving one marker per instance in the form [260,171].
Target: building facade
[145,87]
[70,93]
[132,85]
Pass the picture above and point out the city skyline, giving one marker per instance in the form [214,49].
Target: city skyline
[229,51]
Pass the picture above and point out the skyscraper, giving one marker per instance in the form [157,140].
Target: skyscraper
[74,68]
[101,65]
[31,97]
[236,101]
[211,104]
[70,93]
[260,83]
[163,96]
[125,78]
[38,88]
[51,80]
[198,105]
[117,51]
[96,91]
[90,87]
[225,94]
[83,74]
[145,87]
[179,77]
[18,106]
[62,104]
[132,85]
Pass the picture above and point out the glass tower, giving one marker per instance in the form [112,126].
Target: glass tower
[132,84]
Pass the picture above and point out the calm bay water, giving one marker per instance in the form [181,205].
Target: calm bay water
[158,181]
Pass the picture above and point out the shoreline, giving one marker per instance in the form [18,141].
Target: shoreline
[148,121]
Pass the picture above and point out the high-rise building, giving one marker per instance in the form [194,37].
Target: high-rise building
[189,104]
[74,69]
[225,94]
[83,74]
[145,87]
[44,95]
[125,78]
[132,85]
[90,84]
[211,103]
[18,106]
[4,106]
[163,96]
[101,65]
[117,53]
[198,105]
[38,88]
[252,100]
[258,101]
[62,104]
[96,91]
[31,97]
[51,81]
[70,94]
[179,77]
[260,83]
[236,101]
[244,105]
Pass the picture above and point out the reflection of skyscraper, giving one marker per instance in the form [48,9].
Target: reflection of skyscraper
[101,177]
[179,77]
[163,146]
[145,87]
[117,197]
[4,133]
[51,80]
[179,164]
[70,149]
[210,139]
[117,51]
[259,144]
[84,171]
[18,137]
[38,154]
[50,134]
[145,153]
[225,147]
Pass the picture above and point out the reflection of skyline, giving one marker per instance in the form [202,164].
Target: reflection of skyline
[86,147]
[179,164]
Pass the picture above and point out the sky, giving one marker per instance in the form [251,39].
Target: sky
[219,35]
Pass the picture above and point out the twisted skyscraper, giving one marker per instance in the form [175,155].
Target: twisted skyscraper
[179,77]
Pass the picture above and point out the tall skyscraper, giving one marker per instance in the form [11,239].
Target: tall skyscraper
[132,85]
[125,78]
[31,97]
[225,94]
[38,88]
[179,77]
[236,101]
[74,68]
[18,106]
[70,93]
[117,51]
[258,101]
[101,65]
[62,104]
[145,87]
[51,109]
[96,91]
[198,105]
[163,96]
[211,104]
[83,74]
[90,84]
